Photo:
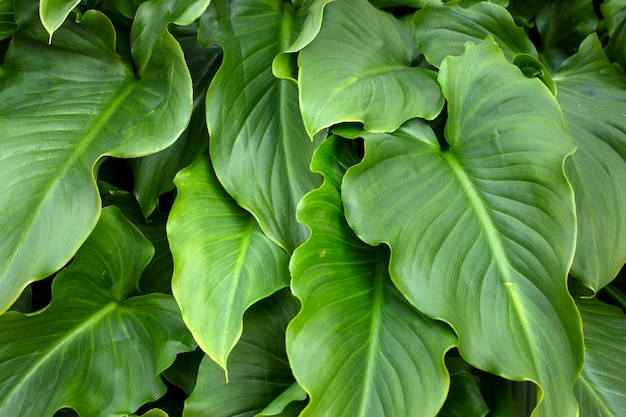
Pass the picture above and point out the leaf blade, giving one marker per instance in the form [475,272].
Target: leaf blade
[480,204]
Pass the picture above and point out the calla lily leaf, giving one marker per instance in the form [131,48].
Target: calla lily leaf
[258,369]
[484,222]
[380,356]
[62,121]
[443,29]
[259,148]
[359,68]
[69,354]
[562,26]
[614,12]
[223,263]
[592,94]
[601,388]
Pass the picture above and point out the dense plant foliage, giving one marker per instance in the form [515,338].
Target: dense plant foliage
[316,207]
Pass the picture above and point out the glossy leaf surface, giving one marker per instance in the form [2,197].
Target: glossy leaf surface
[601,388]
[443,29]
[68,355]
[59,123]
[259,148]
[592,95]
[377,351]
[360,68]
[223,263]
[485,225]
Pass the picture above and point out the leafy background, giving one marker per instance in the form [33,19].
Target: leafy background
[315,207]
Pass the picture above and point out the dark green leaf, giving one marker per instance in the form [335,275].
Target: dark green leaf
[464,398]
[562,26]
[601,388]
[157,276]
[443,29]
[7,19]
[258,368]
[93,349]
[592,95]
[614,12]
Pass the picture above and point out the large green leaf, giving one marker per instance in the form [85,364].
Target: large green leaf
[93,349]
[259,147]
[258,367]
[154,174]
[360,68]
[357,346]
[223,262]
[62,107]
[482,230]
[601,388]
[614,12]
[443,29]
[592,95]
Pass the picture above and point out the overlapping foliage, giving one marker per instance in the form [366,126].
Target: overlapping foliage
[316,207]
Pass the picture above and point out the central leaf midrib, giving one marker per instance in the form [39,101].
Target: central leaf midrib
[244,246]
[75,154]
[479,208]
[72,335]
[374,333]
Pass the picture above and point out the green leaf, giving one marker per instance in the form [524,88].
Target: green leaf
[153,17]
[155,412]
[592,95]
[614,12]
[258,368]
[468,3]
[157,276]
[259,148]
[54,12]
[380,4]
[289,403]
[7,19]
[508,398]
[464,398]
[443,29]
[485,224]
[71,354]
[357,346]
[223,263]
[532,67]
[184,371]
[601,388]
[59,123]
[562,26]
[359,68]
[154,174]
[308,14]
